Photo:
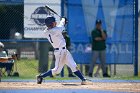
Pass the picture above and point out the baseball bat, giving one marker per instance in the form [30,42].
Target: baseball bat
[46,6]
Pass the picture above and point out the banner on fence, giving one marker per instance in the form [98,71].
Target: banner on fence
[34,15]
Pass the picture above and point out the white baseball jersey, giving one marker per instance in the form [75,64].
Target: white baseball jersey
[62,56]
[55,36]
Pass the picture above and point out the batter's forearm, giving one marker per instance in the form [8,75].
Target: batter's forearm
[62,22]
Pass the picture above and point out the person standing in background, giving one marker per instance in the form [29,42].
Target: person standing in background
[7,64]
[98,48]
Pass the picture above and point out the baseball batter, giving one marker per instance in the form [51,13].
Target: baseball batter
[53,33]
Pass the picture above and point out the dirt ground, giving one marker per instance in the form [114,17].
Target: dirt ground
[119,87]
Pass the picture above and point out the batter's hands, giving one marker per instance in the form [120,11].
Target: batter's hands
[66,20]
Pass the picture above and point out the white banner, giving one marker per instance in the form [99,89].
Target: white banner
[34,15]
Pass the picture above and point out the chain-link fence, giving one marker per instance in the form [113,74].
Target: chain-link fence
[36,55]
[11,17]
[27,63]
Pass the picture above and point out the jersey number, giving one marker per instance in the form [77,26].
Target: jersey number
[50,38]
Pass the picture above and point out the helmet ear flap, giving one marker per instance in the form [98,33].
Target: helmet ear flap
[50,25]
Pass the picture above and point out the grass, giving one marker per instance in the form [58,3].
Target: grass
[28,69]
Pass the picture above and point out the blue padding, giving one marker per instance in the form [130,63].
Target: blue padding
[118,21]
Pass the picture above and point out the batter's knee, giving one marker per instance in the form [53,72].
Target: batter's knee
[58,71]
[77,68]
[55,71]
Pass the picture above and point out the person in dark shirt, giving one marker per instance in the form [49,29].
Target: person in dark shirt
[99,48]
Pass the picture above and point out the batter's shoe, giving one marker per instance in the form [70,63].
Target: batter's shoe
[39,79]
[86,82]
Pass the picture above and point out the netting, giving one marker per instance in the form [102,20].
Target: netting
[117,19]
[11,17]
[15,17]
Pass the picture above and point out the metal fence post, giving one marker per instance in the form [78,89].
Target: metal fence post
[43,56]
[136,38]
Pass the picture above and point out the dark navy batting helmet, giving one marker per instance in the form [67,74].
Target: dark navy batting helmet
[49,21]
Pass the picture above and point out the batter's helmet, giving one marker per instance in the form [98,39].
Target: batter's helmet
[49,21]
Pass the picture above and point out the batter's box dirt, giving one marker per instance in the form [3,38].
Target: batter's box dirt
[120,87]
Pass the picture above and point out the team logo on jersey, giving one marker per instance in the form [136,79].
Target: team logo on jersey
[39,15]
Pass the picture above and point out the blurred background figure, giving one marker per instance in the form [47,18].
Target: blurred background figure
[97,74]
[99,48]
[68,44]
[4,62]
